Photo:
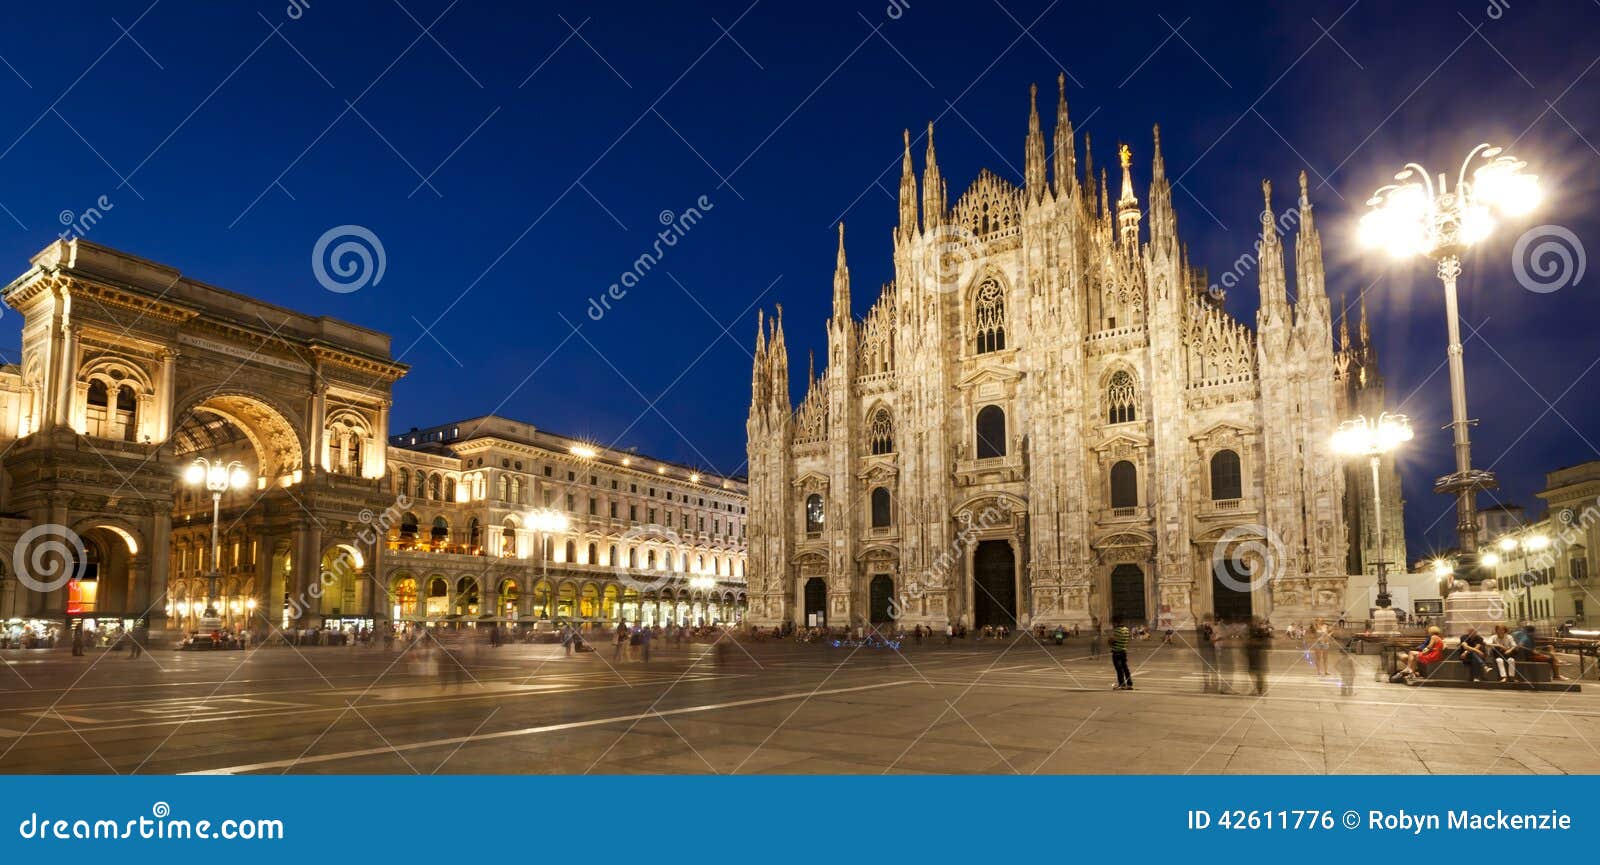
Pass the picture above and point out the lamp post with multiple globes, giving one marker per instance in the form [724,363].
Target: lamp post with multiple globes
[218,477]
[1518,544]
[1372,438]
[1417,216]
[546,521]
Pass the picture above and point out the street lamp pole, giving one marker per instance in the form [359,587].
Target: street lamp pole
[218,478]
[1383,599]
[1372,438]
[546,521]
[1416,216]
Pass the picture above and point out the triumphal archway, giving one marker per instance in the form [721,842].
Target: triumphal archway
[129,372]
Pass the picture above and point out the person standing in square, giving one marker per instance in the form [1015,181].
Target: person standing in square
[1120,635]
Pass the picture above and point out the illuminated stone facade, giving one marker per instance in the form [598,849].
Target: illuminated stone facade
[130,370]
[1046,418]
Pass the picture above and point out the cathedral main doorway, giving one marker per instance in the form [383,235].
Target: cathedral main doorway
[816,601]
[1230,590]
[881,591]
[1127,594]
[994,587]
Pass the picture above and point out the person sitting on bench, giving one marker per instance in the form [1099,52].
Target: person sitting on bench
[1504,651]
[1475,655]
[1431,652]
[1529,650]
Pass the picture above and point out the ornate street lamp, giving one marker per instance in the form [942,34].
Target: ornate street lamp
[545,521]
[1518,544]
[1372,438]
[1415,216]
[218,478]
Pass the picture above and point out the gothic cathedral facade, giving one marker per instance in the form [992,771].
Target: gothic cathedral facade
[1046,418]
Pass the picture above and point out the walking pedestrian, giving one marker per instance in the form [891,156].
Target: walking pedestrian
[618,641]
[1120,635]
[1205,642]
[1094,642]
[1321,636]
[1256,654]
[949,633]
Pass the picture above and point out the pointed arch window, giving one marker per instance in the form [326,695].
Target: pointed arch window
[989,317]
[880,433]
[1122,397]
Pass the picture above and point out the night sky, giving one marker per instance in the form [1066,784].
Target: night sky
[515,159]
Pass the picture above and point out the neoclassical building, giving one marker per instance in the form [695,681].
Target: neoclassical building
[131,370]
[1049,416]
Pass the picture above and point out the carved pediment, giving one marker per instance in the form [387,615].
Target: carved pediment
[882,553]
[811,482]
[1222,430]
[879,470]
[1122,442]
[985,373]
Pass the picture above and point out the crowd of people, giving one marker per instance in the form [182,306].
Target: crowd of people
[1487,659]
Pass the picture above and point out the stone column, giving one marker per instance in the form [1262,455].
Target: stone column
[306,572]
[167,389]
[158,561]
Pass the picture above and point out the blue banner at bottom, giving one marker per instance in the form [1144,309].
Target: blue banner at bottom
[792,818]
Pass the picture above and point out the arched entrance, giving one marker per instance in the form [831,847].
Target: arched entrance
[994,587]
[1230,590]
[881,597]
[1127,594]
[816,601]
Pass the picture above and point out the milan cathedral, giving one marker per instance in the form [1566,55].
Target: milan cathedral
[1050,417]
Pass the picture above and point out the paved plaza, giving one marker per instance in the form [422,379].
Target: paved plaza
[762,707]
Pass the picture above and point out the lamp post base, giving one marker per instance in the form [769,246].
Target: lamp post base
[1385,622]
[1475,608]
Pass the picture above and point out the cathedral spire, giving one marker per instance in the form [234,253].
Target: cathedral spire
[1105,206]
[1066,159]
[1274,291]
[1088,165]
[933,193]
[1127,205]
[841,283]
[1311,297]
[1163,221]
[761,336]
[1364,333]
[1344,323]
[1034,162]
[908,193]
[778,363]
[758,368]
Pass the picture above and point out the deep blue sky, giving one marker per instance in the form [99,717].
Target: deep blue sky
[553,154]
